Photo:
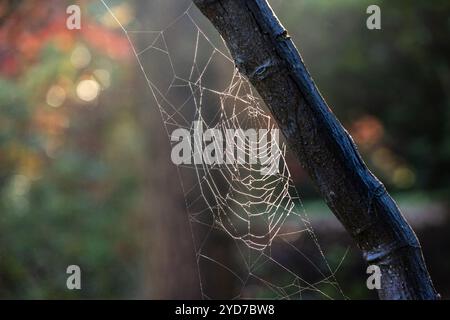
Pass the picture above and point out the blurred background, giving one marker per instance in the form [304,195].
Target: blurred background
[85,170]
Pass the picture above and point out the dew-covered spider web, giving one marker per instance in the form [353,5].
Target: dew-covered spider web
[249,227]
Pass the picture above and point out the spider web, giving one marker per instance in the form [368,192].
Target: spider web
[262,214]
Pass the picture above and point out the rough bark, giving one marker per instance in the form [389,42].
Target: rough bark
[264,53]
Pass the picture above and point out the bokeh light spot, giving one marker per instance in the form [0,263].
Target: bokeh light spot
[123,12]
[88,90]
[80,57]
[104,77]
[56,96]
[404,177]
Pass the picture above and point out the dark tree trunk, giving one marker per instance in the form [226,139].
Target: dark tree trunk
[264,53]
[169,257]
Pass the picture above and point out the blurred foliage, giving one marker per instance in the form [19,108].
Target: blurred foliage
[70,142]
[67,193]
[389,87]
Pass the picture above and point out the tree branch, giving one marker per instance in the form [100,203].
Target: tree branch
[263,52]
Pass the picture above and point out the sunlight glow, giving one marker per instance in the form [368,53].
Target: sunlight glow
[88,90]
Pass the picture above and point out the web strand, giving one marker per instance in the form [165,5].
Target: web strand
[255,210]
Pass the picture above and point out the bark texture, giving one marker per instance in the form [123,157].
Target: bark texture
[264,53]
